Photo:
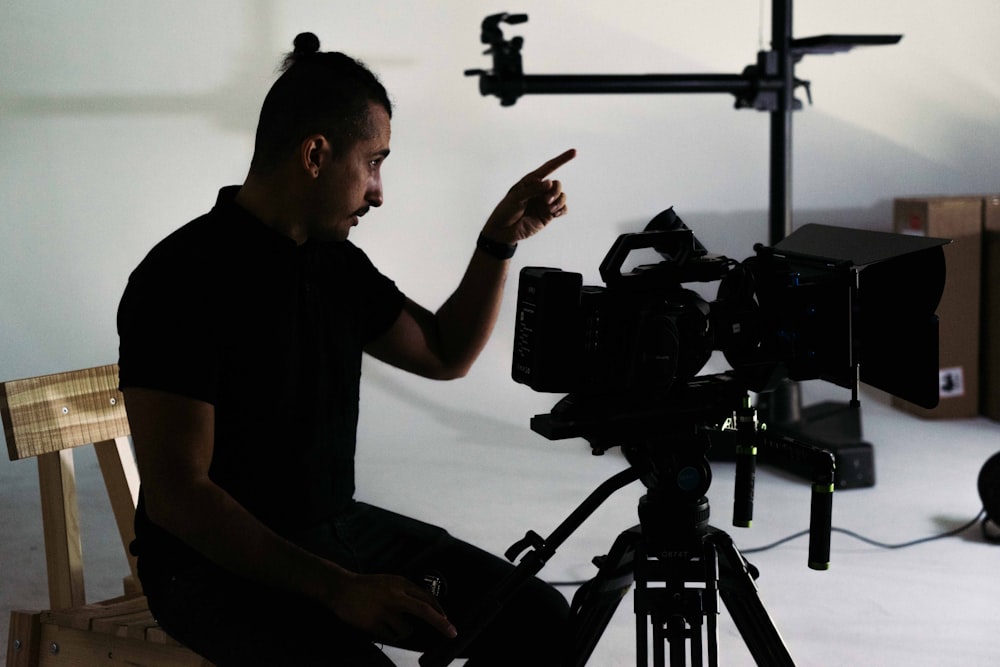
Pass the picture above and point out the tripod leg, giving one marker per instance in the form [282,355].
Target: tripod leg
[739,594]
[711,601]
[597,600]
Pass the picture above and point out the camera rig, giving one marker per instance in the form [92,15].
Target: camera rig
[844,306]
[826,303]
[830,303]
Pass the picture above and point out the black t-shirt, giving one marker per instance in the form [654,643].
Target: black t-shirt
[227,311]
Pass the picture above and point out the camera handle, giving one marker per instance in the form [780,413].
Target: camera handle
[821,462]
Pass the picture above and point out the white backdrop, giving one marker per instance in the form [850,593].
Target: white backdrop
[119,119]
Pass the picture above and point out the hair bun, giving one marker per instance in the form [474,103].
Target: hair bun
[306,43]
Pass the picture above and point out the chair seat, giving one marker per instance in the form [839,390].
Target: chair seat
[126,616]
[120,631]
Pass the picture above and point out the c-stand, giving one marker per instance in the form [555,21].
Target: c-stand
[680,564]
[767,85]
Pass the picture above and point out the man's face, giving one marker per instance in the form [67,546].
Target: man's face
[352,183]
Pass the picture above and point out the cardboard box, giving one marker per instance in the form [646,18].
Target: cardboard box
[958,219]
[990,340]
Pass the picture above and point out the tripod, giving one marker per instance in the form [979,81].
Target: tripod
[680,565]
[678,578]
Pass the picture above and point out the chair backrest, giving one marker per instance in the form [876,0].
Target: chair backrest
[47,416]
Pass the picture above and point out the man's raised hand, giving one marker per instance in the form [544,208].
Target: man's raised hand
[533,202]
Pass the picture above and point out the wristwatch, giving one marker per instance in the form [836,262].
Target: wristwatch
[496,249]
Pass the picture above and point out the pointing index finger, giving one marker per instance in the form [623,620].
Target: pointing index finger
[554,164]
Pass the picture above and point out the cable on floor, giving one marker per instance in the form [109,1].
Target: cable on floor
[874,543]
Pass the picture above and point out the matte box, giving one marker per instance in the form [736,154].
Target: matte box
[990,341]
[961,220]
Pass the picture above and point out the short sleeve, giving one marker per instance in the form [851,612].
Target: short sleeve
[165,329]
[379,301]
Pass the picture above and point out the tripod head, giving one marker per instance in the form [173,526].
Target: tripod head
[667,439]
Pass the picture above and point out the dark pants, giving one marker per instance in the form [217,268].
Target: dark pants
[232,621]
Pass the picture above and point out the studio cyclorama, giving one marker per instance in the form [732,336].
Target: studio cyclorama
[424,334]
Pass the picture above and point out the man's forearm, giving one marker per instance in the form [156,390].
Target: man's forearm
[382,606]
[444,345]
[209,520]
[467,318]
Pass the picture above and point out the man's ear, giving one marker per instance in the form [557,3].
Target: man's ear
[314,154]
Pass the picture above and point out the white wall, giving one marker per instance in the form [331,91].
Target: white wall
[119,119]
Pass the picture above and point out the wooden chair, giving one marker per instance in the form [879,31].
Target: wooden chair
[45,417]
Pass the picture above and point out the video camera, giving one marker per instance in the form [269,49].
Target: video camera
[836,304]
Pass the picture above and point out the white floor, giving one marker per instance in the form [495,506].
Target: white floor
[489,479]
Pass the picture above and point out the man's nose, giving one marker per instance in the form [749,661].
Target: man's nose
[374,195]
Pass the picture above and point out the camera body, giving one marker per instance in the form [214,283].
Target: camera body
[840,305]
[639,332]
[571,337]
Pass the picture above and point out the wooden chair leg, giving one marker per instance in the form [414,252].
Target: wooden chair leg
[23,639]
[61,525]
